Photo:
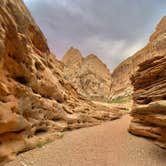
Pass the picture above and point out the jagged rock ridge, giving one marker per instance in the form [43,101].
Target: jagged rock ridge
[149,82]
[89,75]
[35,101]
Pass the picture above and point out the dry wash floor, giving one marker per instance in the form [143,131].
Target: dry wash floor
[108,144]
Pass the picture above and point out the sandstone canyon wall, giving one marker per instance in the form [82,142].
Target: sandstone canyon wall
[149,82]
[89,75]
[121,84]
[35,101]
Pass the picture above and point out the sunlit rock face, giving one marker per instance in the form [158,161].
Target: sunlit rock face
[121,84]
[36,103]
[149,82]
[89,75]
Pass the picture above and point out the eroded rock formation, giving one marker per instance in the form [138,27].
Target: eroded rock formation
[149,109]
[35,101]
[89,75]
[121,84]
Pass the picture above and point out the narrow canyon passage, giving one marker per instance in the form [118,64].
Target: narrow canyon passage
[108,144]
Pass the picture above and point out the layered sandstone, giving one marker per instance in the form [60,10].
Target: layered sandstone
[36,103]
[89,75]
[121,84]
[149,82]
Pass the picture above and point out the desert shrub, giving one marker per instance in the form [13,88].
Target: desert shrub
[120,99]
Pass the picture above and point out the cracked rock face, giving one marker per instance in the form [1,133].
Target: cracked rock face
[89,75]
[149,82]
[36,103]
[121,84]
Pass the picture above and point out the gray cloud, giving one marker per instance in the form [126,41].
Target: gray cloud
[111,29]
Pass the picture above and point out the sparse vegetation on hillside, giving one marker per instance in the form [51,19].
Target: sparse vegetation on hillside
[120,99]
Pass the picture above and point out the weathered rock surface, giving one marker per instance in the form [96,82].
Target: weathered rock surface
[35,101]
[89,75]
[149,109]
[121,84]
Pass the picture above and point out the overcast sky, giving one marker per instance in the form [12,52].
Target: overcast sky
[111,29]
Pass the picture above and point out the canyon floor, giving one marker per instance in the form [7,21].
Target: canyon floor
[108,144]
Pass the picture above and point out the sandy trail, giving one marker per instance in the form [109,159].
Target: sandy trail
[108,144]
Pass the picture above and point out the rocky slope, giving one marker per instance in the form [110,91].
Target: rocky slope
[149,110]
[90,75]
[121,84]
[35,101]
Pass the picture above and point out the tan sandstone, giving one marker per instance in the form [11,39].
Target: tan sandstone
[121,84]
[89,75]
[36,103]
[149,82]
